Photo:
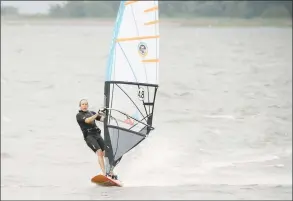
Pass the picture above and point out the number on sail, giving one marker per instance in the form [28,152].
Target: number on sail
[141,94]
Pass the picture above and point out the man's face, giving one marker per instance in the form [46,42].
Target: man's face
[142,48]
[84,105]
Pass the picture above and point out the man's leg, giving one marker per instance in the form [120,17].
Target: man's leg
[92,142]
[100,154]
[113,175]
[102,145]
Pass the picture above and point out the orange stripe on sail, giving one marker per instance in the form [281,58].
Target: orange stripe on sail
[129,2]
[151,9]
[136,38]
[151,22]
[150,61]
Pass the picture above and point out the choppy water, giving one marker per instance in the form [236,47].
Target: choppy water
[223,115]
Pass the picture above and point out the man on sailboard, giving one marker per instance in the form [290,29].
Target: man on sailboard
[92,133]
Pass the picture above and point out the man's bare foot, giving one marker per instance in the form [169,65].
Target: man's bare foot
[112,176]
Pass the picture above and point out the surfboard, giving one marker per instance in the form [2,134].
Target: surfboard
[105,181]
[131,80]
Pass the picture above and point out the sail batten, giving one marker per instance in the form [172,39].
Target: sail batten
[136,38]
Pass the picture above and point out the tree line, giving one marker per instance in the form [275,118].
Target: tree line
[169,9]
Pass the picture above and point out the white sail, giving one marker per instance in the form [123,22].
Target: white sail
[135,53]
[132,77]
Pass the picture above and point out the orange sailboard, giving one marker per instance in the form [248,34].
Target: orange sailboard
[105,181]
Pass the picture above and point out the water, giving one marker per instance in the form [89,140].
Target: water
[223,114]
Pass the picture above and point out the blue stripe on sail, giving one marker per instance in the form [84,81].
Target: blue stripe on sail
[113,44]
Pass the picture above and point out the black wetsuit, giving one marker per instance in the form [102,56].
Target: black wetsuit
[91,132]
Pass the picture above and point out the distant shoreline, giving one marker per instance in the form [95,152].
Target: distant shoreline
[191,22]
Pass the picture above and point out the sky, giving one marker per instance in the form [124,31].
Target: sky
[31,6]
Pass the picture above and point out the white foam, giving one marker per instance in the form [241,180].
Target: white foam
[3,81]
[220,116]
[277,165]
[6,119]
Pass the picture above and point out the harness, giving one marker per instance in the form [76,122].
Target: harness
[92,129]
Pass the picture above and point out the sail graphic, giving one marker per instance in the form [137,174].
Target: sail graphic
[131,78]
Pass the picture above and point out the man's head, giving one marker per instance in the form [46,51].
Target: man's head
[142,48]
[83,104]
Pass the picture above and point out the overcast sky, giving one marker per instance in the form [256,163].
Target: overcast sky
[31,6]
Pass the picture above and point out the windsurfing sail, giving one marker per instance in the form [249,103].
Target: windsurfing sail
[131,79]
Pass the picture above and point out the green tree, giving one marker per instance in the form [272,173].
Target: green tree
[99,9]
[75,9]
[278,11]
[56,11]
[9,11]
[238,9]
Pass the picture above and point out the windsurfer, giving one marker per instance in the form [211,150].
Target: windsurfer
[91,132]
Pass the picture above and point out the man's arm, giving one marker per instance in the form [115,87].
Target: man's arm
[91,119]
[81,118]
[100,116]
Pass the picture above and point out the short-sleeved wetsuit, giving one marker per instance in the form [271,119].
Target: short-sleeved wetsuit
[91,132]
